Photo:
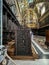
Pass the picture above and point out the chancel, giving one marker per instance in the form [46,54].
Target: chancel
[24,32]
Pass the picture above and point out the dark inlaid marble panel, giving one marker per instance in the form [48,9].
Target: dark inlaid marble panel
[23,42]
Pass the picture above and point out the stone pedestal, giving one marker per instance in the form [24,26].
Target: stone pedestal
[23,45]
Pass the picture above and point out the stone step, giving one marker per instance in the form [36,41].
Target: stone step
[22,57]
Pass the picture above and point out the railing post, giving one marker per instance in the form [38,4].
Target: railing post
[1,12]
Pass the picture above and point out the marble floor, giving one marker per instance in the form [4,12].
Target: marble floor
[31,62]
